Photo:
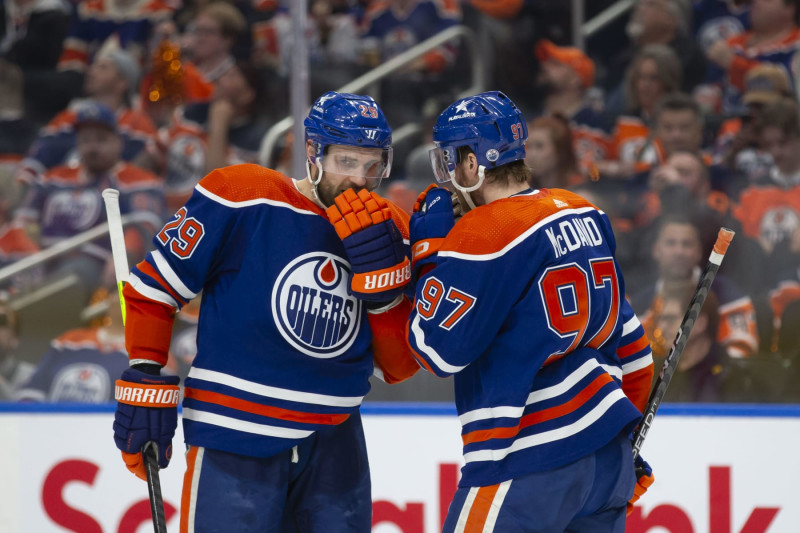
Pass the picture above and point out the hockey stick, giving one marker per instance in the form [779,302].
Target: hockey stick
[111,199]
[671,363]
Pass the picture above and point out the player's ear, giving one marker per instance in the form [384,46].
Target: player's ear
[472,162]
[311,149]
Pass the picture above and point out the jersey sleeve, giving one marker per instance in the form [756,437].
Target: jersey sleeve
[190,249]
[636,358]
[458,310]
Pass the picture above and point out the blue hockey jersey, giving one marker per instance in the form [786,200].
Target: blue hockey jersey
[283,349]
[526,307]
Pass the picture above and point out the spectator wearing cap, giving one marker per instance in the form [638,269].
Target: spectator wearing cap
[737,145]
[66,200]
[773,38]
[566,74]
[661,22]
[112,78]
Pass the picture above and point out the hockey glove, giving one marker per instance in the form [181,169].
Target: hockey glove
[430,223]
[147,410]
[373,244]
[644,478]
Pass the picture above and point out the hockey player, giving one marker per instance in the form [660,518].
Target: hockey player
[290,320]
[522,299]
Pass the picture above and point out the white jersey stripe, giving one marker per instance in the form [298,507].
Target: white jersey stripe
[436,359]
[248,203]
[530,231]
[630,325]
[638,364]
[497,504]
[565,385]
[274,392]
[505,411]
[549,436]
[171,277]
[242,425]
[534,397]
[154,294]
[464,514]
[196,471]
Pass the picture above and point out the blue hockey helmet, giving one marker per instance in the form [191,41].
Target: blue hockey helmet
[489,123]
[349,120]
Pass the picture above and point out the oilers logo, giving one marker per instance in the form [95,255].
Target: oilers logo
[312,308]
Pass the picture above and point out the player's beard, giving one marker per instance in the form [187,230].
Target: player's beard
[327,192]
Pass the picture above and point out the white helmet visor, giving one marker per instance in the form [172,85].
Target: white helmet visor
[372,164]
[443,163]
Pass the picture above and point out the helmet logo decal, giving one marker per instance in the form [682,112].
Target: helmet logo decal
[371,134]
[311,306]
[492,155]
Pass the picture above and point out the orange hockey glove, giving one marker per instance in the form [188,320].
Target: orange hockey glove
[644,478]
[373,244]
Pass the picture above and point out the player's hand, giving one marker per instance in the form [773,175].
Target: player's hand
[431,221]
[644,478]
[147,410]
[373,244]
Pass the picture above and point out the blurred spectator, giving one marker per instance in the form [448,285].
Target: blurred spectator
[13,371]
[67,200]
[211,38]
[566,75]
[702,370]
[677,253]
[719,19]
[16,131]
[770,210]
[332,38]
[774,38]
[549,153]
[667,22]
[125,23]
[205,136]
[392,27]
[737,143]
[32,32]
[81,365]
[654,73]
[112,79]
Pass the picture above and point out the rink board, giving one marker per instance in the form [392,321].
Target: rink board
[720,469]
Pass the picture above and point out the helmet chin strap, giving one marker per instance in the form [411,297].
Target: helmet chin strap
[465,191]
[314,183]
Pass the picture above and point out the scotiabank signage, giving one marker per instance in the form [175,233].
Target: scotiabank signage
[61,472]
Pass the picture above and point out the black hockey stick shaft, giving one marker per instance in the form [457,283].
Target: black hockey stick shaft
[154,488]
[111,199]
[671,363]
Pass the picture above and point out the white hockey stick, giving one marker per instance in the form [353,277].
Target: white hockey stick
[111,199]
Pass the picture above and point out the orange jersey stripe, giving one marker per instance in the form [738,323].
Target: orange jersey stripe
[632,348]
[263,410]
[480,509]
[148,269]
[470,235]
[186,493]
[539,416]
